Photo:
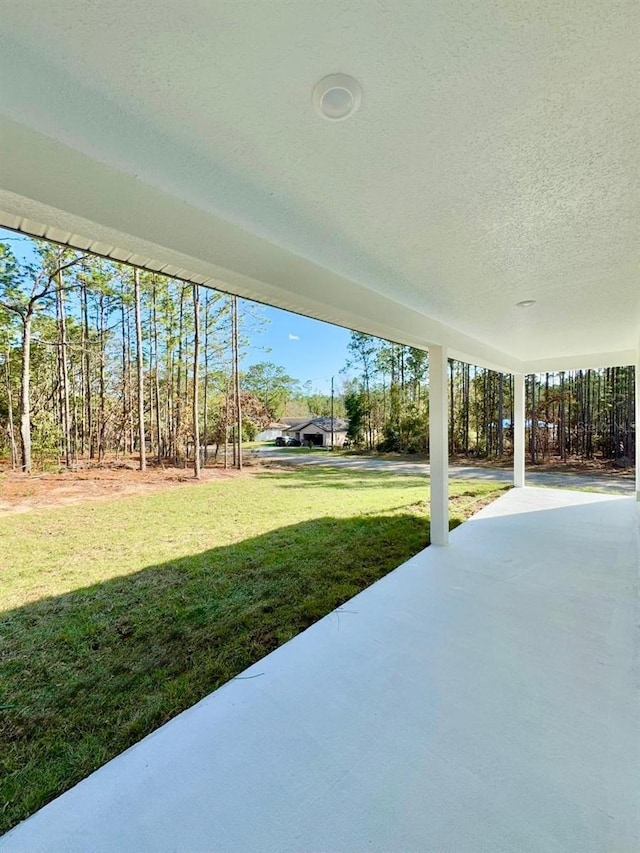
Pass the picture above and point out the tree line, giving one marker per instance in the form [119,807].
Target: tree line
[100,359]
[574,413]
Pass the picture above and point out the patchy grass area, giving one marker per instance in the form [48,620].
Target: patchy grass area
[116,615]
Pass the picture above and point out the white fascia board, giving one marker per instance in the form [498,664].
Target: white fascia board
[47,185]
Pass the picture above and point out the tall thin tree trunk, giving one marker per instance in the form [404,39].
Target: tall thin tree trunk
[476,408]
[511,412]
[588,417]
[102,416]
[25,398]
[131,418]
[534,419]
[75,419]
[196,358]
[11,428]
[83,344]
[86,371]
[64,373]
[140,363]
[563,438]
[178,451]
[500,415]
[226,423]
[59,384]
[205,401]
[452,438]
[125,391]
[169,450]
[466,407]
[150,396]
[157,371]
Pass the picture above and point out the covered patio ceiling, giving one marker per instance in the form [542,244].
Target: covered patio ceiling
[493,159]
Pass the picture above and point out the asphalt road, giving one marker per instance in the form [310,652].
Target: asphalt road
[614,484]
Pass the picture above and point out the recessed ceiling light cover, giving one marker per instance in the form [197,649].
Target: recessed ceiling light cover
[337,97]
[526,303]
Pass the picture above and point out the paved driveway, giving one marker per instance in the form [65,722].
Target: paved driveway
[621,484]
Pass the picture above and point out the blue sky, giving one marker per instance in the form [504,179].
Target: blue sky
[307,349]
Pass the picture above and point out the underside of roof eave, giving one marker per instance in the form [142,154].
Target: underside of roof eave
[50,190]
[582,361]
[417,330]
[463,349]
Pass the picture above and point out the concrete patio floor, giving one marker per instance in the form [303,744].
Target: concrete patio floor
[482,697]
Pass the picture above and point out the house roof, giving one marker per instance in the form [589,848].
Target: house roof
[339,424]
[291,422]
[492,160]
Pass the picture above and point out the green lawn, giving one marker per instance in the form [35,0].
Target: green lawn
[117,615]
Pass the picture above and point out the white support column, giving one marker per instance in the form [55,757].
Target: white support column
[637,422]
[439,445]
[518,429]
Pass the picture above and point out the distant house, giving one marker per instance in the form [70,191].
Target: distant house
[316,432]
[506,424]
[296,422]
[282,427]
[273,431]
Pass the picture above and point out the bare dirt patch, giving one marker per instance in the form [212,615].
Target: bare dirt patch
[92,481]
[554,464]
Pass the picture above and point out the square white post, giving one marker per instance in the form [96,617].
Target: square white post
[439,445]
[518,429]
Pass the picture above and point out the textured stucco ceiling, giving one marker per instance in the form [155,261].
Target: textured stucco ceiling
[494,158]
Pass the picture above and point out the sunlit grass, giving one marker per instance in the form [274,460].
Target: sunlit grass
[119,614]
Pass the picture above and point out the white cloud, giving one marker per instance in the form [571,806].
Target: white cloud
[294,337]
